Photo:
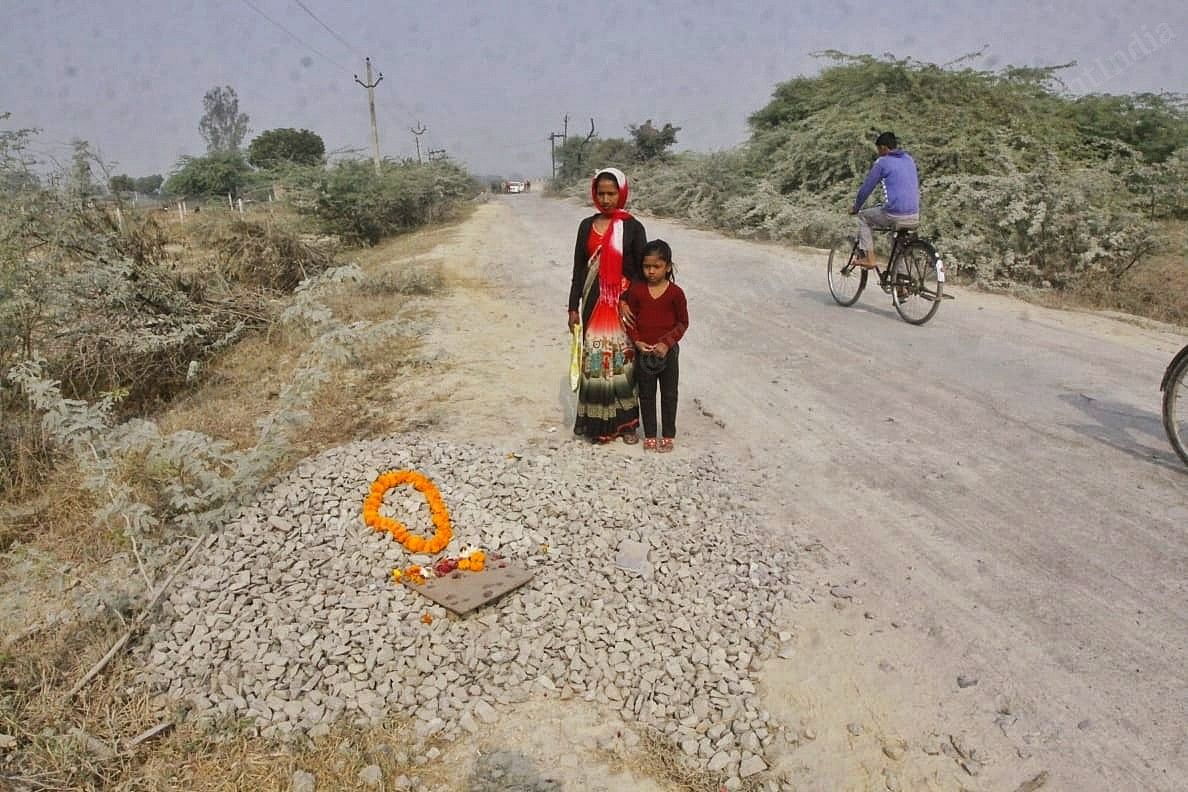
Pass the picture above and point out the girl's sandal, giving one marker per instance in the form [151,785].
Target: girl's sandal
[665,445]
[650,444]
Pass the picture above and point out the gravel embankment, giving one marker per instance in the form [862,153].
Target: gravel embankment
[291,618]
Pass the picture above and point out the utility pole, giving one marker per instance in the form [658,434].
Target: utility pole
[553,137]
[418,130]
[370,86]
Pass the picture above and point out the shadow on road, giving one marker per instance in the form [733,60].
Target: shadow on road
[869,301]
[508,771]
[1124,428]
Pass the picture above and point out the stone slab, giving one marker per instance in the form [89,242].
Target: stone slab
[462,592]
[633,557]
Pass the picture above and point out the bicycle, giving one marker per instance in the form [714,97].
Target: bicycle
[916,288]
[1175,403]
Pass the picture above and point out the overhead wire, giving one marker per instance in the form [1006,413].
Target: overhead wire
[395,98]
[330,30]
[295,37]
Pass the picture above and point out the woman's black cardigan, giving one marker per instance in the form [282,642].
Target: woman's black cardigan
[634,239]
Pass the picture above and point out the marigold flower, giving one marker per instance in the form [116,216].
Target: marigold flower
[427,618]
[440,516]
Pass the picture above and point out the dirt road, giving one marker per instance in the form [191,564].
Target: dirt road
[994,489]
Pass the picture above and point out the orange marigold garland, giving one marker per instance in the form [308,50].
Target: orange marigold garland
[437,510]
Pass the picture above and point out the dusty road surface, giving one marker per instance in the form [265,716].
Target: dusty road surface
[992,493]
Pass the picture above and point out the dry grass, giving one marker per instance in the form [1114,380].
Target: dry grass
[237,388]
[86,743]
[1155,289]
[232,761]
[658,757]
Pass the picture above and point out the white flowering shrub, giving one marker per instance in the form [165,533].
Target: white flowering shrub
[196,482]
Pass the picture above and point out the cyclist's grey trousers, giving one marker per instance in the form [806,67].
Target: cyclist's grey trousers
[876,218]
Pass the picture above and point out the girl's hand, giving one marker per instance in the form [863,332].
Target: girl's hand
[574,318]
[642,347]
[660,349]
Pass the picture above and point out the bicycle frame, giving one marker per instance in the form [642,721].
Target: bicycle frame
[900,238]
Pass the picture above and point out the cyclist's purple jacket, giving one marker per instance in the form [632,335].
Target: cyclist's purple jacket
[897,170]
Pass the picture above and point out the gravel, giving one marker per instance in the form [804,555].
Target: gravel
[291,618]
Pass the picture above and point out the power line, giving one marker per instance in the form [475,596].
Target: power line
[295,37]
[329,29]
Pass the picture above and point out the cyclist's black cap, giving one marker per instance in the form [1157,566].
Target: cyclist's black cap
[887,139]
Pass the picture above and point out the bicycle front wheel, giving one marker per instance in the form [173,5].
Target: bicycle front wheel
[846,279]
[918,281]
[1175,407]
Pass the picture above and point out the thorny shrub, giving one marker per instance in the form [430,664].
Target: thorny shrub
[351,201]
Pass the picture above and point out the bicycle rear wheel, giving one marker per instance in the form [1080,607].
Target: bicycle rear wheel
[1175,406]
[918,279]
[846,279]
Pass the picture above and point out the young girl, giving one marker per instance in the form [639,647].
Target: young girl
[661,318]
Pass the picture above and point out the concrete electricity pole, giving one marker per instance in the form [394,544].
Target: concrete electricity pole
[370,86]
[418,130]
[553,137]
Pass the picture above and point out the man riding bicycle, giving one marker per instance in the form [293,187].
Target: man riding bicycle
[896,169]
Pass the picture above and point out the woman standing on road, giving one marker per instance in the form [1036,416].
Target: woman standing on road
[606,259]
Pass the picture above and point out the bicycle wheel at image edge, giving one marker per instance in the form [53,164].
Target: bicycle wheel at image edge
[846,280]
[1175,406]
[919,281]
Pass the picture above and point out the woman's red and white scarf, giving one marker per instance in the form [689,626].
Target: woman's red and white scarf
[610,256]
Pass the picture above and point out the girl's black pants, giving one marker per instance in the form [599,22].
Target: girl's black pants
[667,380]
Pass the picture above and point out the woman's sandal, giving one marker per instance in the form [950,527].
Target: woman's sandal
[665,445]
[650,444]
[630,438]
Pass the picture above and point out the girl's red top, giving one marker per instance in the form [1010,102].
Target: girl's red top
[658,319]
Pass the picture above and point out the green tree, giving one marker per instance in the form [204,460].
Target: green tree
[216,174]
[82,184]
[578,158]
[222,126]
[280,146]
[652,143]
[121,183]
[148,185]
[1154,124]
[16,166]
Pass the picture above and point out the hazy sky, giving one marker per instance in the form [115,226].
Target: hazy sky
[490,80]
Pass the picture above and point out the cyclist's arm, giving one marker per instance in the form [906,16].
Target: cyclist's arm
[872,180]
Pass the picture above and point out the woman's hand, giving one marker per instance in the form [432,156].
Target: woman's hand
[625,314]
[574,319]
[660,348]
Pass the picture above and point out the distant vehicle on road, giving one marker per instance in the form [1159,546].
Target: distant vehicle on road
[515,186]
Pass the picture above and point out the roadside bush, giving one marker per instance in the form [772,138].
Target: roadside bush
[263,255]
[1043,227]
[411,280]
[353,202]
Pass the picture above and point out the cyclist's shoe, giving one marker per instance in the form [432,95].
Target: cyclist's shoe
[862,259]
